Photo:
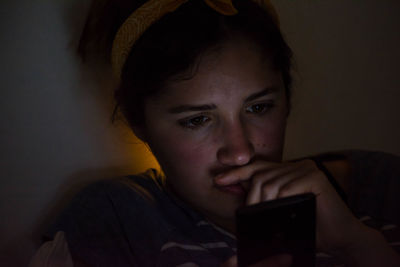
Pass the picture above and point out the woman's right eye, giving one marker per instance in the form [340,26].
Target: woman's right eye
[194,122]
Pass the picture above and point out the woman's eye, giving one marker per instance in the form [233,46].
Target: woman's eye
[195,122]
[259,108]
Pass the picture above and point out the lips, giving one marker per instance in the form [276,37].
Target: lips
[235,189]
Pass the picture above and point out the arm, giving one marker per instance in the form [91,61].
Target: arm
[372,248]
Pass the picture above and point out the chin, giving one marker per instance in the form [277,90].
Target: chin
[227,208]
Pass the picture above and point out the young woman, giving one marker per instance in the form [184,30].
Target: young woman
[207,85]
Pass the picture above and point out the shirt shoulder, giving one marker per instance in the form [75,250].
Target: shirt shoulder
[98,222]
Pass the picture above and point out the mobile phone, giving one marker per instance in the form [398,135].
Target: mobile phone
[285,225]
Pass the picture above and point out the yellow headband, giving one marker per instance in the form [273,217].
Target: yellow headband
[143,17]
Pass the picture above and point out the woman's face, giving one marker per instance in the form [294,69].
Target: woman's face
[230,113]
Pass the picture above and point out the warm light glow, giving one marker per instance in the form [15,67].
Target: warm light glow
[138,154]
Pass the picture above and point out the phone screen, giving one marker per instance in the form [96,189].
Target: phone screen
[285,225]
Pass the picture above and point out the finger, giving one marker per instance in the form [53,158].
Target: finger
[281,260]
[270,190]
[255,192]
[244,173]
[311,180]
[265,185]
[310,183]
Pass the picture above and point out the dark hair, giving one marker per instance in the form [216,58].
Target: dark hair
[173,45]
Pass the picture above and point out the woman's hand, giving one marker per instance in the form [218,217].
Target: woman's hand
[337,229]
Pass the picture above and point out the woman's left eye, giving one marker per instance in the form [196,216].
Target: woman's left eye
[259,109]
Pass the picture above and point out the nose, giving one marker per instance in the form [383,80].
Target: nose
[236,148]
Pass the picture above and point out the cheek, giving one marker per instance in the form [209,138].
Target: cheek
[268,138]
[186,164]
[181,156]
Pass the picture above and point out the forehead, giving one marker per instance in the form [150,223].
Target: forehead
[236,69]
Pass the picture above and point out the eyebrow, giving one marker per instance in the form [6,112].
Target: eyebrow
[266,91]
[186,108]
